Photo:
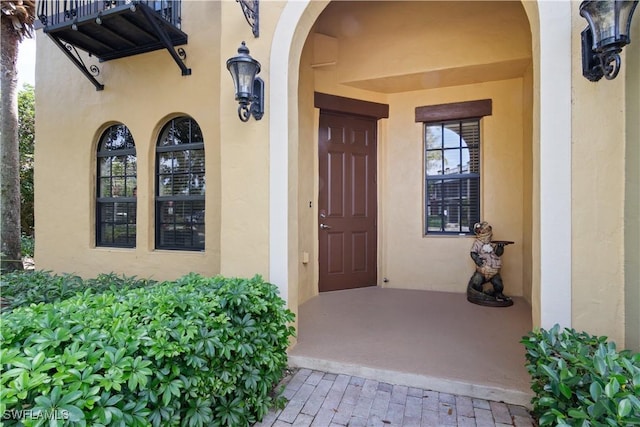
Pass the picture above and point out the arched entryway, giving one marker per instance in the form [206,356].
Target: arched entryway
[337,54]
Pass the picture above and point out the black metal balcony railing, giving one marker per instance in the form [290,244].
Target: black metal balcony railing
[113,29]
[54,12]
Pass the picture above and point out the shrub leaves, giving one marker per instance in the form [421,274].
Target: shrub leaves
[199,351]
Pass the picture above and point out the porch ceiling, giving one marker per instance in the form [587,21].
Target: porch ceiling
[445,77]
[433,340]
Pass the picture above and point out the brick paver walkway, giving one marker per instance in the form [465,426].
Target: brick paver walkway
[320,399]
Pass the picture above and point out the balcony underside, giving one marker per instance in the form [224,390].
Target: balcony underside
[118,32]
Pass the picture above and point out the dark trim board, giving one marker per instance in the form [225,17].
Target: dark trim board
[454,111]
[341,104]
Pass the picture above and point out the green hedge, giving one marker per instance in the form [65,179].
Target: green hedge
[195,352]
[21,288]
[582,380]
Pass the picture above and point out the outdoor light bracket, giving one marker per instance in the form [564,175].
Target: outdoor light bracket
[609,23]
[251,10]
[255,106]
[597,65]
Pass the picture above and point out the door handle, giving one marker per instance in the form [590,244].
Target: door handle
[325,226]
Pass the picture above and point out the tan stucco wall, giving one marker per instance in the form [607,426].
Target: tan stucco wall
[142,92]
[443,263]
[632,189]
[307,194]
[533,76]
[598,189]
[528,174]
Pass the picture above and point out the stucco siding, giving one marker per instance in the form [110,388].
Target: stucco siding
[597,190]
[632,190]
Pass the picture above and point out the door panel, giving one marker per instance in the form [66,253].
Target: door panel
[347,202]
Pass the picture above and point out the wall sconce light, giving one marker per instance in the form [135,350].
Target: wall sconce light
[607,33]
[249,88]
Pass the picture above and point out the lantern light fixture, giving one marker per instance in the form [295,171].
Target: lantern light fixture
[249,89]
[605,36]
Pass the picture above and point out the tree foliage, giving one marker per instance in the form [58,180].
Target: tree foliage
[26,139]
[20,14]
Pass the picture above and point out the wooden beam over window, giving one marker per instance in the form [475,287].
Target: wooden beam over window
[454,111]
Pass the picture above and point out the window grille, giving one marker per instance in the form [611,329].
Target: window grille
[452,176]
[180,186]
[116,189]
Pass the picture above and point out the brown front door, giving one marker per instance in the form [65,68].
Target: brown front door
[347,202]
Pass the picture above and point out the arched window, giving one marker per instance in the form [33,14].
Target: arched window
[180,186]
[116,189]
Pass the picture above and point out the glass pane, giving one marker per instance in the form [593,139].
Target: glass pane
[118,165]
[120,234]
[105,187]
[433,137]
[165,163]
[132,185]
[180,184]
[130,165]
[122,212]
[470,132]
[196,133]
[118,186]
[434,162]
[470,195]
[182,129]
[451,161]
[116,137]
[131,213]
[181,161]
[474,160]
[164,185]
[105,166]
[451,189]
[433,215]
[105,234]
[168,138]
[197,184]
[450,204]
[107,212]
[451,137]
[197,161]
[465,166]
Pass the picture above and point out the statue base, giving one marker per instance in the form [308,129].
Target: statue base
[487,300]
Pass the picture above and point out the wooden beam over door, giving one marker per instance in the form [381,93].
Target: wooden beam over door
[341,104]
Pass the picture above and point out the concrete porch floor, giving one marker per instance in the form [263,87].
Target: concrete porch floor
[431,340]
